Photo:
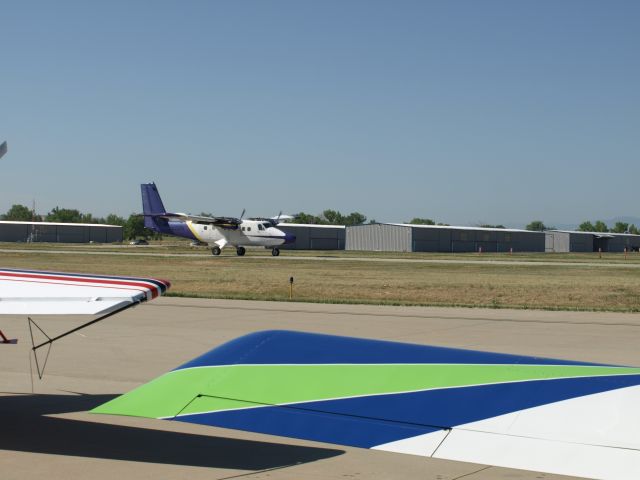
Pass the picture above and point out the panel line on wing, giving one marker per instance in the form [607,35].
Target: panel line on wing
[293,406]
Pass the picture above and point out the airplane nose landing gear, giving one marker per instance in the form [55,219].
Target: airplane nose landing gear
[275,252]
[216,250]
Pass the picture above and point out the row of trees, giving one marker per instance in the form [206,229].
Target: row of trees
[331,217]
[598,226]
[132,227]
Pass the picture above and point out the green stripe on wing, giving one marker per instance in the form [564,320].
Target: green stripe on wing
[218,388]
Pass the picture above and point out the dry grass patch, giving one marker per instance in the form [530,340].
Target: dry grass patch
[261,277]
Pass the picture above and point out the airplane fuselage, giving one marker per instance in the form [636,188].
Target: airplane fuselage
[215,231]
[248,233]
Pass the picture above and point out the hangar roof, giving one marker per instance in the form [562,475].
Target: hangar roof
[313,225]
[11,222]
[453,227]
[597,234]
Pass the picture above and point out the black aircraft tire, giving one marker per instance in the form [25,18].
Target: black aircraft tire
[240,251]
[275,252]
[216,251]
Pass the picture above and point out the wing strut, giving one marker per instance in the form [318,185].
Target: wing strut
[50,340]
[4,339]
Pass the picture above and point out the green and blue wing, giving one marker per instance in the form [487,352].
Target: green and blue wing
[417,399]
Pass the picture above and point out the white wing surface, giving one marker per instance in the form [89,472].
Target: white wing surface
[32,292]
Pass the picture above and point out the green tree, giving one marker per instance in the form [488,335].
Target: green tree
[586,227]
[65,215]
[134,228]
[536,226]
[113,219]
[333,217]
[354,218]
[620,227]
[600,226]
[422,221]
[18,213]
[491,226]
[89,218]
[307,219]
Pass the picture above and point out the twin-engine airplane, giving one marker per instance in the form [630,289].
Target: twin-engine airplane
[215,231]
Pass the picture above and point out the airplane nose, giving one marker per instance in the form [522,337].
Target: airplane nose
[289,238]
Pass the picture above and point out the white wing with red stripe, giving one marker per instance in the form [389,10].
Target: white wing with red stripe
[33,292]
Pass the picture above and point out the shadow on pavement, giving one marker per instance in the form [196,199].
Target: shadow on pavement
[26,428]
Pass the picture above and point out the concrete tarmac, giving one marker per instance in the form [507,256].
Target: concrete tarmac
[46,432]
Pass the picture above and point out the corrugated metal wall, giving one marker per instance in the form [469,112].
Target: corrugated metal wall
[404,238]
[379,237]
[10,232]
[70,233]
[311,237]
[580,242]
[557,242]
[466,240]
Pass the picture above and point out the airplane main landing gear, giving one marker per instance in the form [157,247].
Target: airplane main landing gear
[240,251]
[216,251]
[275,252]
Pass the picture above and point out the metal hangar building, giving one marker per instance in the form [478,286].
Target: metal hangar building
[400,237]
[314,237]
[564,241]
[59,232]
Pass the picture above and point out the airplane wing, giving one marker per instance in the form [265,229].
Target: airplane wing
[513,411]
[30,292]
[217,221]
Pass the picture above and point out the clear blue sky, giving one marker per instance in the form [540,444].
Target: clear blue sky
[462,111]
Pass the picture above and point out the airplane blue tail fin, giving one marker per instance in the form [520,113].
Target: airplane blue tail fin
[151,205]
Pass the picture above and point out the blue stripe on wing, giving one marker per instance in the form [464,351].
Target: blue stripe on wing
[374,420]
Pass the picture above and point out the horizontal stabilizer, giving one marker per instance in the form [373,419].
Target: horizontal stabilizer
[3,149]
[32,292]
[447,403]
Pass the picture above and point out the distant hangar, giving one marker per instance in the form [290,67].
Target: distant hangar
[314,237]
[401,237]
[59,232]
[563,241]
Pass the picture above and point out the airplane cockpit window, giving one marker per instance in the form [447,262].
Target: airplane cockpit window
[266,225]
[260,227]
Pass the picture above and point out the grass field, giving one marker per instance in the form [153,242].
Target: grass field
[537,281]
